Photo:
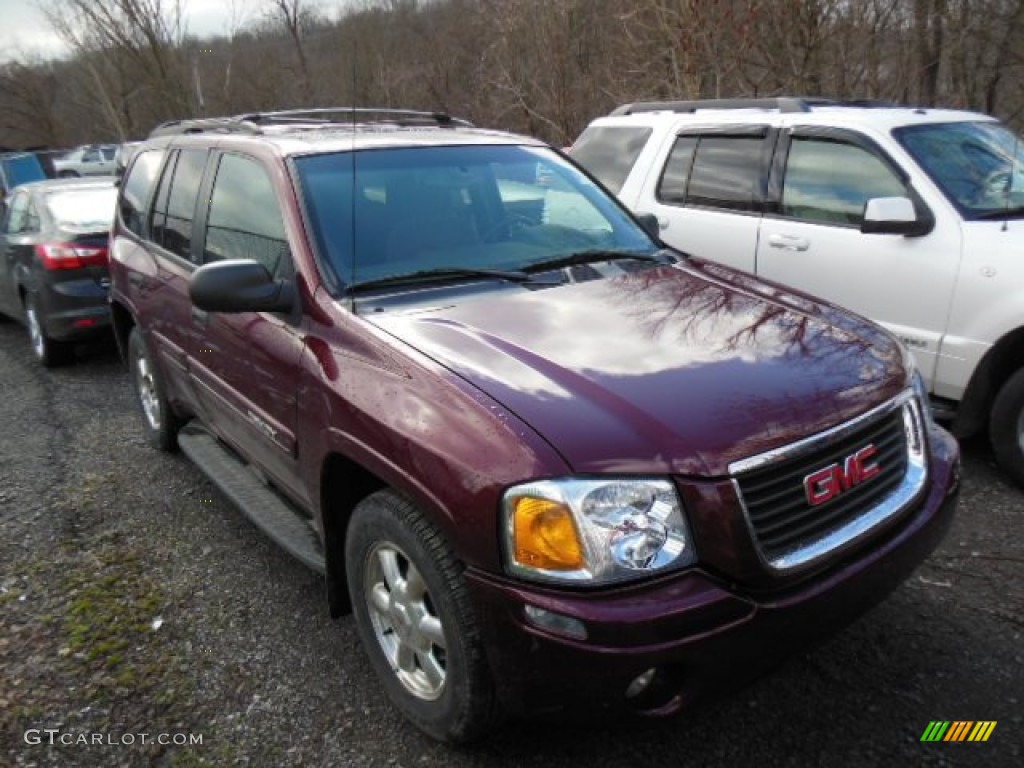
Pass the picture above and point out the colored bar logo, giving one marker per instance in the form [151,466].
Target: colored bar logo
[958,730]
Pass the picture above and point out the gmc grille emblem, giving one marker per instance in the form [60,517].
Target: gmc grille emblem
[825,484]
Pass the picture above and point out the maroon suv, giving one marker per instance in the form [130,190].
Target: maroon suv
[541,458]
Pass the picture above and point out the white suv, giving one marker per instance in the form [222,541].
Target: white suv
[912,217]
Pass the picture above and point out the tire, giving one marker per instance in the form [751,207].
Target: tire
[49,352]
[158,418]
[1006,427]
[414,618]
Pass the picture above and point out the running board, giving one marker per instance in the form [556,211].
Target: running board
[261,505]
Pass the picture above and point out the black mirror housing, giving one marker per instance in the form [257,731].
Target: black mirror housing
[650,225]
[239,285]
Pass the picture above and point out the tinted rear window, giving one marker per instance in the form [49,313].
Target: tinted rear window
[136,189]
[610,151]
[83,210]
[725,172]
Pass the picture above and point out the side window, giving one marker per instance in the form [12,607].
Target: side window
[610,151]
[712,171]
[672,187]
[245,220]
[136,189]
[158,218]
[17,215]
[725,172]
[830,181]
[176,222]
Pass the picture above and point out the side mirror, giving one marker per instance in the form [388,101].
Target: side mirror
[893,216]
[239,285]
[649,223]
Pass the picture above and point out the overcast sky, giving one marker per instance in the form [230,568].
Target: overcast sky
[24,31]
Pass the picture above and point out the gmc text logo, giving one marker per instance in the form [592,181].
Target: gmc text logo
[825,484]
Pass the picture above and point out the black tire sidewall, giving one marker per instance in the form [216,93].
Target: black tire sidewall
[165,438]
[1006,413]
[386,517]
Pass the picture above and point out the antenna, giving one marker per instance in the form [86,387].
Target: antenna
[352,156]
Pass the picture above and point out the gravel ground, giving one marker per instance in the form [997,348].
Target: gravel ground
[135,600]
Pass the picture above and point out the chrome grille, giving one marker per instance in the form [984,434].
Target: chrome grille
[788,530]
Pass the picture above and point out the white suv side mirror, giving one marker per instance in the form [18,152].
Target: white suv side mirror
[892,216]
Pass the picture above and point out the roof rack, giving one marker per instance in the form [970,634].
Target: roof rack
[253,122]
[781,103]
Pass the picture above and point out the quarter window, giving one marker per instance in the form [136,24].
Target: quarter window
[245,221]
[136,189]
[830,181]
[609,152]
[172,228]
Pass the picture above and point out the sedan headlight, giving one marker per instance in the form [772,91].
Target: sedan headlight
[595,530]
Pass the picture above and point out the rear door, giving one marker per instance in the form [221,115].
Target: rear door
[245,365]
[164,259]
[709,192]
[811,238]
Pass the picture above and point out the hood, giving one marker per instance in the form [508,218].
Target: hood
[676,369]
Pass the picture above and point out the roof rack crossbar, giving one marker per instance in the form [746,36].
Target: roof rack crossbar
[285,115]
[780,103]
[253,122]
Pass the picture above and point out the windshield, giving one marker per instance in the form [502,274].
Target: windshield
[473,207]
[979,166]
[83,210]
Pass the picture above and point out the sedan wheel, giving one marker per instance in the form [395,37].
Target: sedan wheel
[47,351]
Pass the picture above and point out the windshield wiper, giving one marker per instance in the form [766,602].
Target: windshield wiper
[442,274]
[589,257]
[1001,213]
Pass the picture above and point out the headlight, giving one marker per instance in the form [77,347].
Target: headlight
[597,531]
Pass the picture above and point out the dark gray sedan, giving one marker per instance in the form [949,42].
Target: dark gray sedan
[53,262]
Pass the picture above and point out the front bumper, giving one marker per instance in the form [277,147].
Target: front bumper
[700,634]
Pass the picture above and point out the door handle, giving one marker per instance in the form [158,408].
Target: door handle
[200,316]
[788,242]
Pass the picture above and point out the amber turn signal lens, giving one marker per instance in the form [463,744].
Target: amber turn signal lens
[545,536]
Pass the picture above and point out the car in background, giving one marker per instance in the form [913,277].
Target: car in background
[912,217]
[91,160]
[19,168]
[53,262]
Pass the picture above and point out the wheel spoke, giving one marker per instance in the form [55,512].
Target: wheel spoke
[430,627]
[389,567]
[405,658]
[432,669]
[380,599]
[415,587]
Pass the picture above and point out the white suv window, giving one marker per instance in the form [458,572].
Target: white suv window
[830,181]
[723,172]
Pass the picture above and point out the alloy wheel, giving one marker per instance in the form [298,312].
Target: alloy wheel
[405,622]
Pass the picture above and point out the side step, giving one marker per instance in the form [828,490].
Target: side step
[260,504]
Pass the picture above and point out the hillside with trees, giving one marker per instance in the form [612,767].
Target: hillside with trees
[542,67]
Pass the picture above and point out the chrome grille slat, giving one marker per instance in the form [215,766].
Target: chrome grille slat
[787,529]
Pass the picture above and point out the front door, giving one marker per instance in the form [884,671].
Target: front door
[709,196]
[813,241]
[245,365]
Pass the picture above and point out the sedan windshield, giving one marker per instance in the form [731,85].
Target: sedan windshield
[979,166]
[384,213]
